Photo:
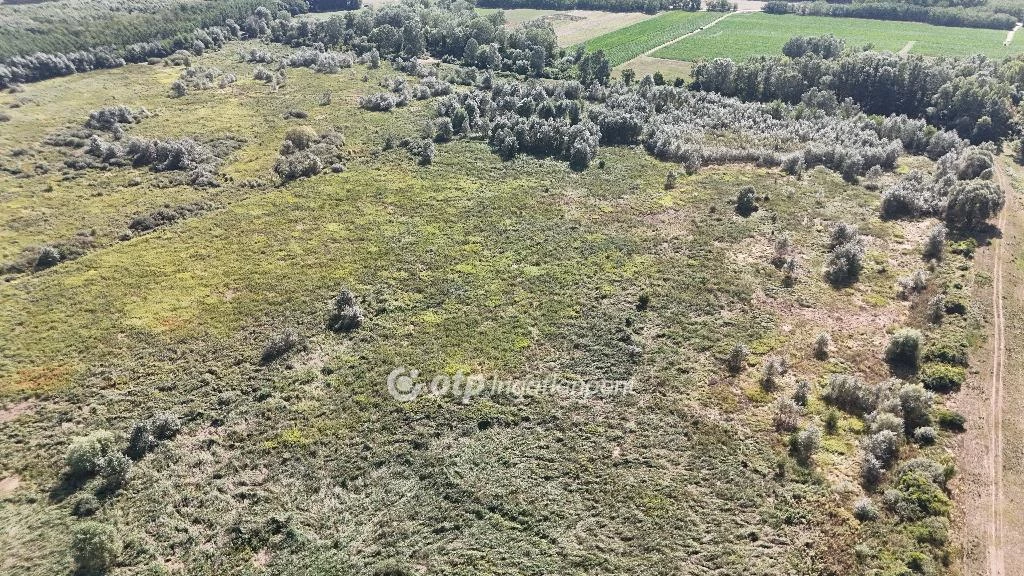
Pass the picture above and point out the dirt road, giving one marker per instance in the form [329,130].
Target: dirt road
[996,563]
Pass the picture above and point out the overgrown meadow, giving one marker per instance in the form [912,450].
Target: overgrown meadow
[301,462]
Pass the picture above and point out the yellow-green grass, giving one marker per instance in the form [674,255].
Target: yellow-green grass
[629,42]
[520,269]
[670,69]
[746,35]
[573,26]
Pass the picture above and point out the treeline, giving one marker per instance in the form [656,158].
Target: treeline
[940,16]
[81,30]
[972,97]
[648,6]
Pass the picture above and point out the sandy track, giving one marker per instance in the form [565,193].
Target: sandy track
[996,561]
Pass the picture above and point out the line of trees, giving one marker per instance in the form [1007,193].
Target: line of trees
[978,17]
[648,6]
[972,97]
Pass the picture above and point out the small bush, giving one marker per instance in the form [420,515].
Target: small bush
[943,377]
[904,348]
[844,264]
[887,421]
[935,245]
[804,444]
[345,313]
[301,137]
[850,394]
[926,435]
[114,469]
[948,350]
[86,505]
[746,201]
[915,403]
[864,510]
[86,453]
[916,497]
[951,420]
[95,547]
[871,470]
[822,344]
[803,390]
[787,415]
[670,180]
[774,368]
[831,421]
[279,345]
[737,358]
[884,446]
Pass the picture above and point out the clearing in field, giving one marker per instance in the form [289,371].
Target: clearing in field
[629,42]
[573,26]
[745,35]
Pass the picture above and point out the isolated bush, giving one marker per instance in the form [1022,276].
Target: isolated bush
[804,444]
[95,547]
[746,201]
[787,415]
[913,284]
[670,180]
[279,345]
[844,263]
[943,377]
[345,314]
[904,348]
[950,420]
[864,510]
[822,344]
[774,368]
[935,245]
[86,453]
[737,358]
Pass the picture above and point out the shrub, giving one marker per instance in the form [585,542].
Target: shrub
[279,345]
[935,245]
[948,350]
[843,233]
[831,421]
[934,471]
[670,180]
[850,394]
[86,453]
[301,137]
[165,425]
[803,390]
[822,344]
[746,201]
[86,505]
[904,348]
[737,358]
[844,264]
[427,152]
[951,420]
[916,497]
[884,445]
[787,415]
[972,203]
[925,435]
[95,547]
[114,469]
[864,510]
[141,441]
[804,444]
[871,470]
[936,309]
[915,404]
[943,377]
[345,313]
[774,368]
[887,421]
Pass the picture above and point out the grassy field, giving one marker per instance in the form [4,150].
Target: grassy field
[520,269]
[627,43]
[745,35]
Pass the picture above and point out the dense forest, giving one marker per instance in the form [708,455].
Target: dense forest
[1000,17]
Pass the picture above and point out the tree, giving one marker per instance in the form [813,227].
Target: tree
[470,52]
[413,42]
[628,75]
[971,204]
[746,201]
[904,348]
[537,59]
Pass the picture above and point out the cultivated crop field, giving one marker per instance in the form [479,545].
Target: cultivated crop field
[745,35]
[573,26]
[627,43]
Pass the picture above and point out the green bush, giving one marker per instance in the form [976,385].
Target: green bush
[951,420]
[803,444]
[904,348]
[86,453]
[746,201]
[917,497]
[943,377]
[95,547]
[946,351]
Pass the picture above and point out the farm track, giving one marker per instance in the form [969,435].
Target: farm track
[688,34]
[996,561]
